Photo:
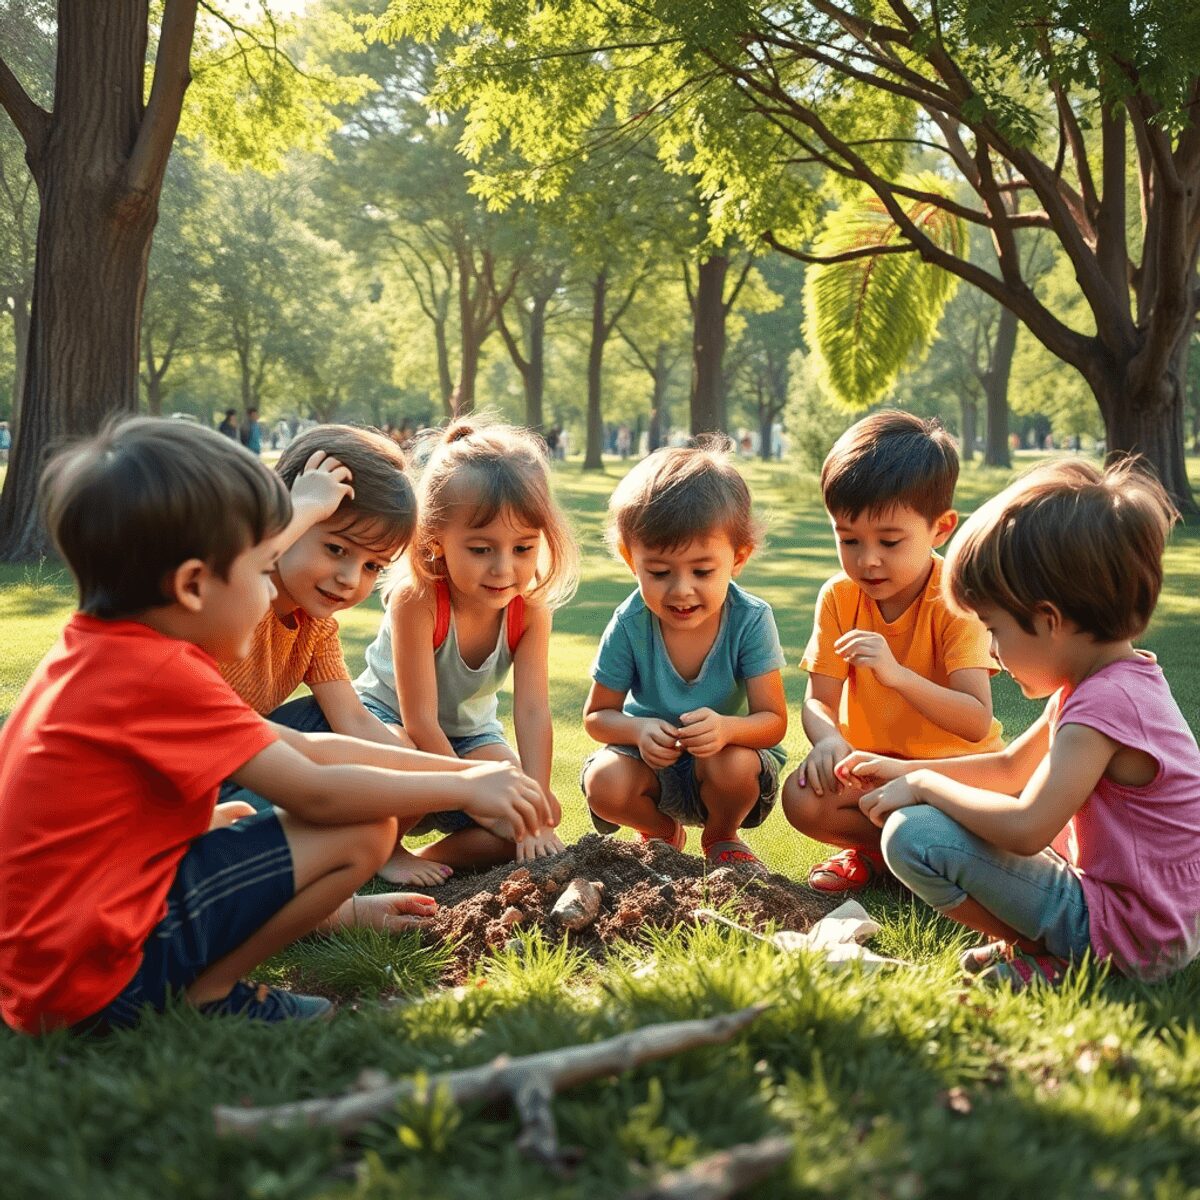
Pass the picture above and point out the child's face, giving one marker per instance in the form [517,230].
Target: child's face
[1032,659]
[333,566]
[487,565]
[685,586]
[887,554]
[233,607]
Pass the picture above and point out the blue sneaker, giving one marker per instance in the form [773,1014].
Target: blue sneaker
[258,1002]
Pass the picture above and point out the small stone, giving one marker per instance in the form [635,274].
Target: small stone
[511,916]
[579,904]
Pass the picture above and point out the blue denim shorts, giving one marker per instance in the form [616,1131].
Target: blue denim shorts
[439,822]
[229,884]
[679,790]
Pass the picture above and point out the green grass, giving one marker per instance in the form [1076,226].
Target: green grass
[1092,1091]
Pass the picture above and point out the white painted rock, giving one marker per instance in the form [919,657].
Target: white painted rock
[578,905]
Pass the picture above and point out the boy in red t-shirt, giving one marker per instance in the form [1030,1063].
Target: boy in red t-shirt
[121,882]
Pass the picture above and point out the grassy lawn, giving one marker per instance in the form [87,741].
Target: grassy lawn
[892,1085]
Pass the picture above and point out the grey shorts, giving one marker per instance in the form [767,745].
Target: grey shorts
[679,789]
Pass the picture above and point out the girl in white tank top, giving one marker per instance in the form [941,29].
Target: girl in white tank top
[491,558]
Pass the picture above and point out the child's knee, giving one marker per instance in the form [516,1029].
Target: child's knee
[802,806]
[907,836]
[378,842]
[609,780]
[730,772]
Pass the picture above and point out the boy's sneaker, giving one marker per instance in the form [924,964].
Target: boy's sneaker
[258,1002]
[979,958]
[847,871]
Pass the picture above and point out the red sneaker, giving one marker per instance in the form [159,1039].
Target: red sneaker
[847,871]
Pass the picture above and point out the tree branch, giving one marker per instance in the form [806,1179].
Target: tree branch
[826,260]
[32,121]
[172,74]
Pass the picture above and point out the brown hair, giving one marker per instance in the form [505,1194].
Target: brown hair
[383,495]
[891,457]
[128,506]
[1090,542]
[676,495]
[489,469]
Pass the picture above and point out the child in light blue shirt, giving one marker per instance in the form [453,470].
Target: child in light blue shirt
[687,694]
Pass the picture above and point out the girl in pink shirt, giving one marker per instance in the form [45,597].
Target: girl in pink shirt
[1084,833]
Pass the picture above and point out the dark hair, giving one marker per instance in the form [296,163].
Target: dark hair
[127,507]
[492,468]
[1090,542]
[676,495]
[891,457]
[383,495]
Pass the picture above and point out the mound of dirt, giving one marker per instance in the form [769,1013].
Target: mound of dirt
[641,886]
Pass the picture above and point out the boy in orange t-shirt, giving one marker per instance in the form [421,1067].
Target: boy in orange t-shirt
[889,664]
[111,759]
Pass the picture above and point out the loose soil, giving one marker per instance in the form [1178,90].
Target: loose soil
[646,886]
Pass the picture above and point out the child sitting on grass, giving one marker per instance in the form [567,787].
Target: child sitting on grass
[1084,833]
[890,668]
[117,888]
[491,558]
[687,693]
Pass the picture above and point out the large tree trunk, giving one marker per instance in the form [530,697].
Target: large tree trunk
[445,383]
[968,410]
[657,434]
[93,241]
[995,385]
[20,316]
[766,422]
[462,397]
[595,423]
[708,346]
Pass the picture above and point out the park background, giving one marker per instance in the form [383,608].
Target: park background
[392,213]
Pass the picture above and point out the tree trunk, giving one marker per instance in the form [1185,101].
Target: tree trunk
[766,422]
[534,378]
[462,398]
[995,386]
[595,424]
[656,436]
[154,391]
[92,245]
[708,346]
[20,316]
[445,383]
[968,412]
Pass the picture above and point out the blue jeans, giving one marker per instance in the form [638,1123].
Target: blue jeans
[1037,895]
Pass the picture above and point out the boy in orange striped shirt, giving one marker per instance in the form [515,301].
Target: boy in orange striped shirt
[889,664]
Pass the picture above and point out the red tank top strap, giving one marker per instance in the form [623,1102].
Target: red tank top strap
[441,622]
[516,622]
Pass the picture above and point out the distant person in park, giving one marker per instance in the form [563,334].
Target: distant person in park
[5,442]
[687,697]
[229,426]
[251,432]
[891,668]
[122,883]
[491,559]
[1083,835]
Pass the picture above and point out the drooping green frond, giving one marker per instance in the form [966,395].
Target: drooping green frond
[866,316]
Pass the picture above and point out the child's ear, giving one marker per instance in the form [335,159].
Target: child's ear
[740,559]
[943,527]
[623,551]
[185,585]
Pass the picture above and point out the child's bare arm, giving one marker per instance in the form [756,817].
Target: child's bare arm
[1024,824]
[531,697]
[605,722]
[416,675]
[346,715]
[964,708]
[818,716]
[336,749]
[344,794]
[704,732]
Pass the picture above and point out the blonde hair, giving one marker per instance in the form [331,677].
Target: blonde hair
[675,495]
[489,468]
[1090,542]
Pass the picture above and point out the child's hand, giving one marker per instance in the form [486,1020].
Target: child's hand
[871,650]
[877,805]
[225,814]
[502,792]
[658,743]
[869,770]
[321,486]
[705,732]
[543,845]
[822,759]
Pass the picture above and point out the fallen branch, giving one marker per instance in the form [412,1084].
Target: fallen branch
[528,1082]
[720,1175]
